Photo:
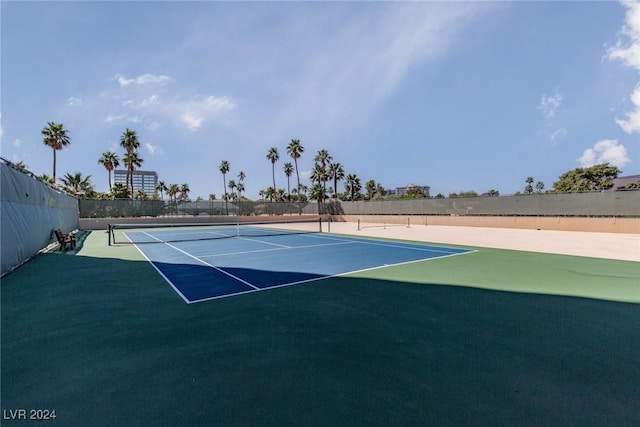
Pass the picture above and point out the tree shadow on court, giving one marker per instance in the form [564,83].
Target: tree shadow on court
[105,341]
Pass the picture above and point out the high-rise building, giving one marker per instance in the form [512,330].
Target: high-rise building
[142,180]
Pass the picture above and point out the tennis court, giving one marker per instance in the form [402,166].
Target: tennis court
[203,262]
[442,335]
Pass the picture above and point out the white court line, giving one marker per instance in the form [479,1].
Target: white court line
[276,249]
[315,279]
[341,241]
[213,266]
[411,246]
[266,243]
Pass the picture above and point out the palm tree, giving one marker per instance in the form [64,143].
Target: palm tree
[224,168]
[21,166]
[184,192]
[161,187]
[120,191]
[240,185]
[288,171]
[172,192]
[269,193]
[323,158]
[295,149]
[110,161]
[273,156]
[317,193]
[76,184]
[352,186]
[133,161]
[336,172]
[141,195]
[46,178]
[232,186]
[129,141]
[528,189]
[56,137]
[371,188]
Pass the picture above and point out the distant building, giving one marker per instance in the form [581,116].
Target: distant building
[402,191]
[142,180]
[622,181]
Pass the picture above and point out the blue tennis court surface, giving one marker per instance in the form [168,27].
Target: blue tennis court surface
[208,269]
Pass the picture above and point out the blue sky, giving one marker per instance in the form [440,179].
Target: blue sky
[458,96]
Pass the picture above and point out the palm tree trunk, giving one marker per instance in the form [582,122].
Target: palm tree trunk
[298,177]
[54,166]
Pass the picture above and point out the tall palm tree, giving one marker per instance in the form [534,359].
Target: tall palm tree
[110,161]
[161,187]
[224,168]
[273,157]
[295,150]
[352,186]
[129,141]
[133,161]
[336,173]
[288,171]
[56,137]
[323,158]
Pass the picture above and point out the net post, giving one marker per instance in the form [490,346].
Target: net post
[320,224]
[408,222]
[358,224]
[109,233]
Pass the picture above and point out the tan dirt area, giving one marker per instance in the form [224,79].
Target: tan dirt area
[588,244]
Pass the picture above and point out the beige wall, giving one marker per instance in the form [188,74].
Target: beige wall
[605,225]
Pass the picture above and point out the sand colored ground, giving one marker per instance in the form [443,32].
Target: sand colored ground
[590,244]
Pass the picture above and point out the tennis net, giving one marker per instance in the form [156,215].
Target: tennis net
[184,232]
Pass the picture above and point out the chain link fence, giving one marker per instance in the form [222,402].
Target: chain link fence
[602,204]
[118,208]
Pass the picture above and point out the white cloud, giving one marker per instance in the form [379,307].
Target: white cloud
[72,101]
[629,51]
[605,151]
[191,120]
[153,149]
[122,118]
[146,102]
[143,79]
[557,135]
[359,65]
[549,104]
[193,112]
[632,122]
[152,126]
[153,106]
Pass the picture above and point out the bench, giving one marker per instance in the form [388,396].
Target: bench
[65,239]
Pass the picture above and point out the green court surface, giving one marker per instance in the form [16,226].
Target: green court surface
[494,337]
